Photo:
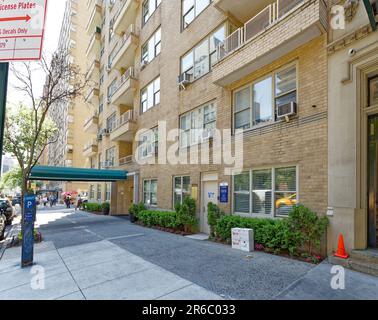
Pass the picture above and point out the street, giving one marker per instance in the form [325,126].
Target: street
[87,256]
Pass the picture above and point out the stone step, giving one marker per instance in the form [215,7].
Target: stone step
[369,256]
[364,267]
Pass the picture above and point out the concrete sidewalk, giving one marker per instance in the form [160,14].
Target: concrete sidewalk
[99,270]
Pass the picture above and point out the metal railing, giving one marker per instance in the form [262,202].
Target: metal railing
[129,73]
[91,118]
[257,25]
[90,144]
[131,30]
[126,160]
[124,119]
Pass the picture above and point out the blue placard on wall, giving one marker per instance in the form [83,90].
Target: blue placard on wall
[223,198]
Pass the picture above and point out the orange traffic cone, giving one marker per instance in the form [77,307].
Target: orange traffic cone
[341,253]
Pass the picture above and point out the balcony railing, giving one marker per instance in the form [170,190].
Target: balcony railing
[126,160]
[125,118]
[132,30]
[257,25]
[90,144]
[130,73]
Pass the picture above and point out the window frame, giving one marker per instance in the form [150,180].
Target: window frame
[110,152]
[145,55]
[181,177]
[146,13]
[145,90]
[250,85]
[204,123]
[111,122]
[273,169]
[150,193]
[153,143]
[191,9]
[192,51]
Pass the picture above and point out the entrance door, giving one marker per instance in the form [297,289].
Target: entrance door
[373,182]
[210,194]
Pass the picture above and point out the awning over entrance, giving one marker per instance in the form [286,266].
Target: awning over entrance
[76,174]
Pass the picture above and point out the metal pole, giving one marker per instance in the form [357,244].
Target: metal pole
[4,67]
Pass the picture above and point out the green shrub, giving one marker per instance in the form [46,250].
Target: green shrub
[165,219]
[306,228]
[302,228]
[135,209]
[92,207]
[186,214]
[105,206]
[214,214]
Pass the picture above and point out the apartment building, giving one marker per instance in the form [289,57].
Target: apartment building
[259,67]
[70,115]
[353,95]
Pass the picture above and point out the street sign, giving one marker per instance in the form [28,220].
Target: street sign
[21,29]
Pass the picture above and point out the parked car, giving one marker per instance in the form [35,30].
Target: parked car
[16,200]
[7,210]
[3,222]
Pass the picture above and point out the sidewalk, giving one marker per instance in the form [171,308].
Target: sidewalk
[99,270]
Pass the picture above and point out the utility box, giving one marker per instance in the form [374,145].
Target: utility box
[243,239]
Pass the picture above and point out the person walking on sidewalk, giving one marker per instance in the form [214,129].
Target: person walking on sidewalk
[79,203]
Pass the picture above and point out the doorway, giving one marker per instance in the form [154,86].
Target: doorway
[373,181]
[209,194]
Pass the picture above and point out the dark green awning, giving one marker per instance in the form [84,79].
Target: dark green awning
[76,174]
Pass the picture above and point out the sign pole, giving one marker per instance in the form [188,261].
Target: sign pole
[4,67]
[28,219]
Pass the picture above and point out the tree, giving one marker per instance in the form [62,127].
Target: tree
[11,180]
[28,128]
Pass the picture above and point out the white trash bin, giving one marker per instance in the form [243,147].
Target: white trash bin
[243,239]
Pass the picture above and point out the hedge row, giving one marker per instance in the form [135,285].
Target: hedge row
[92,207]
[164,219]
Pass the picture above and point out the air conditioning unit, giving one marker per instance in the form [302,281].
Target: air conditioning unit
[184,79]
[99,137]
[105,132]
[108,100]
[108,67]
[143,64]
[284,111]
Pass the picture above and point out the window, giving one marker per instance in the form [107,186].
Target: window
[91,191]
[150,192]
[111,122]
[99,195]
[112,88]
[373,93]
[191,9]
[198,124]
[266,192]
[148,8]
[110,157]
[148,143]
[152,47]
[200,59]
[181,189]
[108,190]
[255,104]
[150,95]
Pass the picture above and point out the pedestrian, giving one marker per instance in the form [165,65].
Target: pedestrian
[44,201]
[79,203]
[68,202]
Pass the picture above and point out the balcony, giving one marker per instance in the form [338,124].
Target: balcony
[128,160]
[125,16]
[95,18]
[94,43]
[93,70]
[126,49]
[90,149]
[274,32]
[93,96]
[91,124]
[125,128]
[124,94]
[241,10]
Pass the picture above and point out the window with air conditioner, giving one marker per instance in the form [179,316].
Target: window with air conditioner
[256,103]
[151,49]
[150,95]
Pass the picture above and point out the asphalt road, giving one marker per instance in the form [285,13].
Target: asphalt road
[218,268]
